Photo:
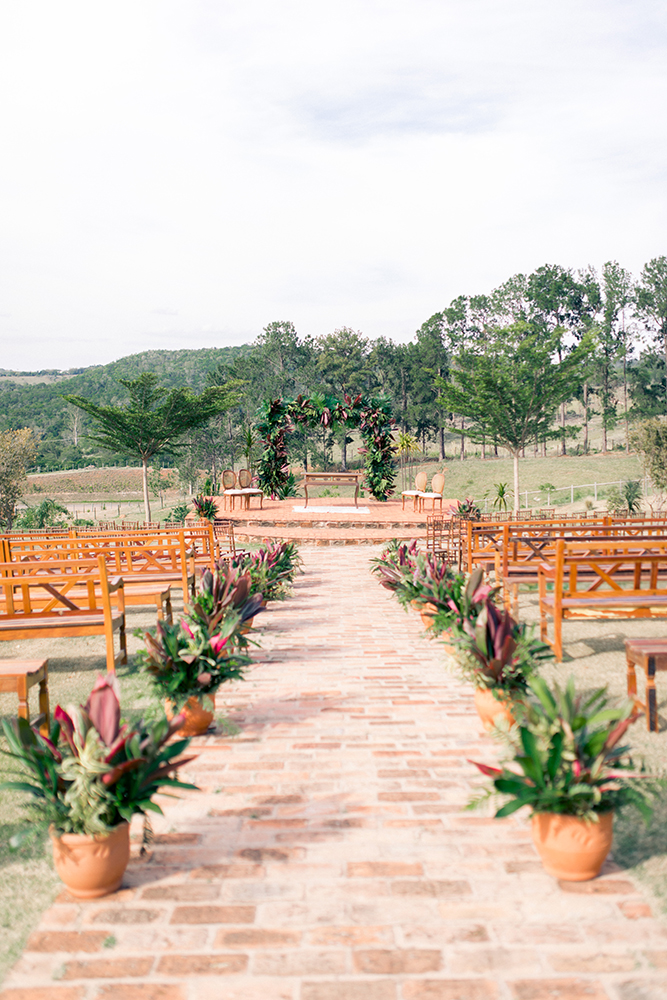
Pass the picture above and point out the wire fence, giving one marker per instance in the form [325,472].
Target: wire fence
[546,496]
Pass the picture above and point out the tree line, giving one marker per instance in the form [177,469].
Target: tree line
[604,335]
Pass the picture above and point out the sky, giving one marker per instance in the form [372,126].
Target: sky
[180,174]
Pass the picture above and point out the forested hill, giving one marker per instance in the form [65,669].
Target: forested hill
[41,406]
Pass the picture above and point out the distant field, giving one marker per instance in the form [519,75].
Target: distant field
[475,477]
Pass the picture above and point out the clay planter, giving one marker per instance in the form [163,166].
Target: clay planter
[247,625]
[449,648]
[92,865]
[490,709]
[197,719]
[570,847]
[427,612]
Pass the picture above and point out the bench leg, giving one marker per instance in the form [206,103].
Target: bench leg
[631,678]
[22,692]
[44,709]
[651,697]
[558,638]
[168,609]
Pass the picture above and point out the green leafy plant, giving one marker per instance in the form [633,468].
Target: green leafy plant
[47,514]
[92,773]
[569,758]
[467,510]
[224,593]
[178,514]
[271,569]
[494,651]
[502,496]
[206,507]
[186,661]
[290,488]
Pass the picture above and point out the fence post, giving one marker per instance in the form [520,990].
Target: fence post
[572,494]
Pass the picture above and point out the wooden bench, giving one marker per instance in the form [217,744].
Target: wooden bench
[35,602]
[150,564]
[650,655]
[613,578]
[19,676]
[332,479]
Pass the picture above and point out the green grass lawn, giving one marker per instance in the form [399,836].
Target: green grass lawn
[474,477]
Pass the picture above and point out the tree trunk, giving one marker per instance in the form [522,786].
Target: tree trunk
[343,454]
[442,444]
[625,401]
[515,456]
[483,448]
[463,440]
[144,480]
[562,423]
[585,418]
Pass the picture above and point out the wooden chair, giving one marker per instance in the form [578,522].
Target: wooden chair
[230,490]
[420,486]
[248,490]
[224,537]
[437,490]
[19,676]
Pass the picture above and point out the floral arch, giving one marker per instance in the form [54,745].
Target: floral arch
[372,415]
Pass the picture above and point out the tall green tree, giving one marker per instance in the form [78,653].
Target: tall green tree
[565,306]
[651,302]
[343,366]
[511,391]
[616,294]
[17,453]
[154,420]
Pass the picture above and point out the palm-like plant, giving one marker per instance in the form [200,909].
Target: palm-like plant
[92,773]
[569,758]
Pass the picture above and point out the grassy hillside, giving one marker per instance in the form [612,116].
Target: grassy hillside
[41,406]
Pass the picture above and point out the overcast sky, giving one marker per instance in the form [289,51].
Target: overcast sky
[179,174]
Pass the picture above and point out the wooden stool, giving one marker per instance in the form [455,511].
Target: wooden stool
[651,655]
[20,676]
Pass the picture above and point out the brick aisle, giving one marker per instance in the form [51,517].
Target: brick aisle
[327,856]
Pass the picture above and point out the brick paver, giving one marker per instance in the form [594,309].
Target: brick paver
[327,855]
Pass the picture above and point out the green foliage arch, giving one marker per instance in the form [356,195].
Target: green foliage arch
[371,414]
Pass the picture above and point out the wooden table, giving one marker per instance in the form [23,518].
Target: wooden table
[332,479]
[650,655]
[19,676]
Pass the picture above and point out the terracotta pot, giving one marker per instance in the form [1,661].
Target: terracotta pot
[427,611]
[92,865]
[247,625]
[572,848]
[490,709]
[449,648]
[197,719]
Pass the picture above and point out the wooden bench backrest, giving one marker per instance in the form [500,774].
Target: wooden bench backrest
[38,587]
[602,567]
[124,555]
[524,548]
[486,539]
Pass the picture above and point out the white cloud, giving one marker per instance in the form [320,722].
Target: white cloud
[182,173]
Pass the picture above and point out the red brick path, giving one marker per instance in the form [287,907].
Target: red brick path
[327,856]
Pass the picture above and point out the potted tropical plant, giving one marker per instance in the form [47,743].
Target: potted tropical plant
[205,507]
[222,593]
[498,655]
[467,510]
[188,665]
[272,569]
[570,768]
[89,778]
